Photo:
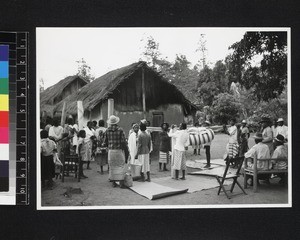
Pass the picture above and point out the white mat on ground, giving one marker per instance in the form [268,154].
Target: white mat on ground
[193,183]
[154,191]
[219,171]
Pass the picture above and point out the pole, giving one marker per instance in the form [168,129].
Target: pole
[80,114]
[63,115]
[144,93]
[110,110]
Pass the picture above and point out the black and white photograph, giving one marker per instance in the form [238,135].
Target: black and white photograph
[181,117]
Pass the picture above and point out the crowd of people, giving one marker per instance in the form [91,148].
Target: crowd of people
[109,147]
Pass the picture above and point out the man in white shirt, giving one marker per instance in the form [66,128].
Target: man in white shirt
[182,142]
[267,133]
[281,129]
[260,151]
[132,143]
[281,151]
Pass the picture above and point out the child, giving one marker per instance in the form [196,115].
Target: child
[82,151]
[48,149]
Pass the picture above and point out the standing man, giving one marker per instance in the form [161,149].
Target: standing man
[245,134]
[281,129]
[267,133]
[144,144]
[206,146]
[182,142]
[114,140]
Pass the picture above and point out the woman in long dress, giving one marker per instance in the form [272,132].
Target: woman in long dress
[114,140]
[89,134]
[164,147]
[101,152]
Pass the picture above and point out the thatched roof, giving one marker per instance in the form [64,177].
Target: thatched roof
[53,92]
[100,89]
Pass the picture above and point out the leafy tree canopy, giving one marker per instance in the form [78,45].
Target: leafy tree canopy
[259,60]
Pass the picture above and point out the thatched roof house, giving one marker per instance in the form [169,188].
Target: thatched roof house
[138,92]
[159,91]
[59,91]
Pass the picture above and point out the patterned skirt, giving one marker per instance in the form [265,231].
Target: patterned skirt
[164,157]
[179,160]
[232,150]
[116,161]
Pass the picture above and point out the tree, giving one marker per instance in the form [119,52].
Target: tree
[151,54]
[259,60]
[84,70]
[225,106]
[219,76]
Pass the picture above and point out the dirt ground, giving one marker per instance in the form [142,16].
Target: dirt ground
[98,191]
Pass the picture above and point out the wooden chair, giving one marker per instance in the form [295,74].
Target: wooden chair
[221,179]
[255,172]
[70,165]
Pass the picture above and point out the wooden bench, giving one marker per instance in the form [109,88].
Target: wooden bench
[255,171]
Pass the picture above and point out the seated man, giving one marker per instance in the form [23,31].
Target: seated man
[281,151]
[261,151]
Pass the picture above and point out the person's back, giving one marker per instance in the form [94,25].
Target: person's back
[144,143]
[260,151]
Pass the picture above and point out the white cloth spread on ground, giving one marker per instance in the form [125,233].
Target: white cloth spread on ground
[261,151]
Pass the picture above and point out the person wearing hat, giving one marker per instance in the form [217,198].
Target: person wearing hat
[114,140]
[206,146]
[280,151]
[281,128]
[245,134]
[261,151]
[267,133]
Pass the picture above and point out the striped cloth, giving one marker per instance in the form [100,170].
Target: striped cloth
[202,137]
[232,150]
[179,160]
[164,157]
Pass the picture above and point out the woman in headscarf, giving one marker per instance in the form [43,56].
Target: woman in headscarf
[89,135]
[114,140]
[132,143]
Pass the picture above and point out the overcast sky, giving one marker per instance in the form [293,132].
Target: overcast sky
[106,49]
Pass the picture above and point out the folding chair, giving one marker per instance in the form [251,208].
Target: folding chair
[70,165]
[221,179]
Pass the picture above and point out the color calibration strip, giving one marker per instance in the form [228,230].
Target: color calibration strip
[4,118]
[16,98]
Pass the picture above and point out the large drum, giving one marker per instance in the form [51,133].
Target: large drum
[202,137]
